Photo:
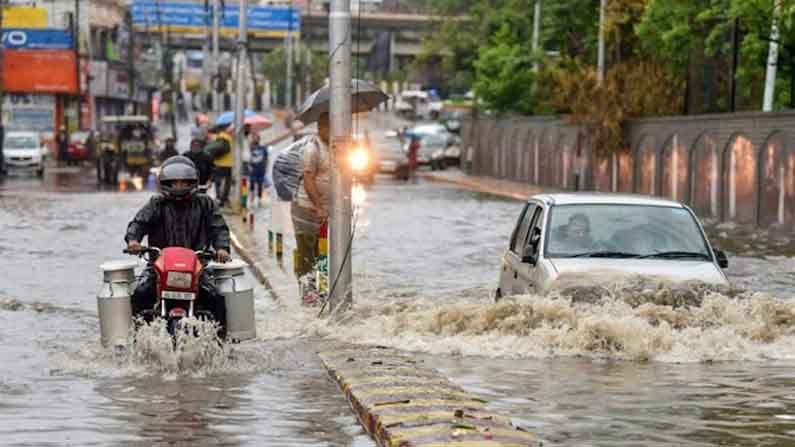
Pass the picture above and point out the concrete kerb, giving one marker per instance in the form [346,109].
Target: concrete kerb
[472,185]
[400,403]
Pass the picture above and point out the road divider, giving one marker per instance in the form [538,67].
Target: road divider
[400,403]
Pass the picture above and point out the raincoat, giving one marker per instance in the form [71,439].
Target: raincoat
[196,224]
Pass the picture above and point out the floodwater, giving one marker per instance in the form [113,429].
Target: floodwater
[625,368]
[631,365]
[59,387]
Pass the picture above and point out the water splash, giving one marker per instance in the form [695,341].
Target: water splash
[631,320]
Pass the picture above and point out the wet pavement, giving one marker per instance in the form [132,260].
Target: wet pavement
[59,387]
[621,370]
[618,371]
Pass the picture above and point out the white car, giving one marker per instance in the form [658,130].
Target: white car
[591,236]
[418,104]
[23,150]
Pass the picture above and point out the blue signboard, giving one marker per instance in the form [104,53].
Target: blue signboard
[36,39]
[192,18]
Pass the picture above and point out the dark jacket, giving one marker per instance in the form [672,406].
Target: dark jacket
[203,162]
[196,224]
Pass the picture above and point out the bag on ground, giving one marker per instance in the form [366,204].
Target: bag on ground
[288,170]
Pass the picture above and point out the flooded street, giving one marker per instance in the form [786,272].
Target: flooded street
[425,263]
[59,387]
[622,371]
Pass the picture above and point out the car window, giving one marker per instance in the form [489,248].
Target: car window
[520,231]
[633,229]
[20,142]
[536,225]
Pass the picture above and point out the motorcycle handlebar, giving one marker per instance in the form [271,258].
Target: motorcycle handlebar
[206,255]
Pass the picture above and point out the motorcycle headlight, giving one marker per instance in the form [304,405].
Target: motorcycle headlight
[179,280]
[358,159]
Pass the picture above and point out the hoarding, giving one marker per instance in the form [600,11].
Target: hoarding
[44,71]
[29,39]
[263,21]
[24,17]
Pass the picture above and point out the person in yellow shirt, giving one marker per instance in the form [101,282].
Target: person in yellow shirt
[223,159]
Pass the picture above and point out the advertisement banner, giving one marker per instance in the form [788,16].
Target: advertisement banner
[24,17]
[271,21]
[45,71]
[30,39]
[98,72]
[29,111]
[118,84]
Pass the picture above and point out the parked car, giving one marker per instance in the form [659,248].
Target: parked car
[595,235]
[78,147]
[418,105]
[23,151]
[391,157]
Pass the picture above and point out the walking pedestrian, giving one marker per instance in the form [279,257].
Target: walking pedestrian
[62,142]
[223,160]
[258,180]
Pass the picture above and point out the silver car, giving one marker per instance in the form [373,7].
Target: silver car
[23,151]
[577,235]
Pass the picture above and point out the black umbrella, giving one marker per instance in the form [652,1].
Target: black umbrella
[364,97]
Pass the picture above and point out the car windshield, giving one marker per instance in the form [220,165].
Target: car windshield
[20,142]
[612,230]
[434,139]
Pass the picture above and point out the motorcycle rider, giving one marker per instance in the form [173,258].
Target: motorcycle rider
[179,217]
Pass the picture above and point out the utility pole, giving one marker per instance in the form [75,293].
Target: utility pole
[340,115]
[600,72]
[216,65]
[76,44]
[2,93]
[536,31]
[240,99]
[288,50]
[308,54]
[772,61]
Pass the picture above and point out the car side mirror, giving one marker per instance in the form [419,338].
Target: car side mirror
[723,261]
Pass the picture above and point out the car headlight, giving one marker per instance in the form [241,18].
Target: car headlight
[179,280]
[358,159]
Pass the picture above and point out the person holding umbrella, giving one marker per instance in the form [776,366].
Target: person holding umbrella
[311,207]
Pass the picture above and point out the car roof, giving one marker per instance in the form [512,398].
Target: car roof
[600,198]
[432,128]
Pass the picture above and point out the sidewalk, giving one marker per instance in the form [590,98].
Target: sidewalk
[487,185]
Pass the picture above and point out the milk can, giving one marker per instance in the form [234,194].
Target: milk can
[230,280]
[114,303]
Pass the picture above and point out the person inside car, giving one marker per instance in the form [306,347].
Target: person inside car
[179,217]
[575,237]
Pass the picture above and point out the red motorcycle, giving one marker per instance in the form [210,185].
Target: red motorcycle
[178,271]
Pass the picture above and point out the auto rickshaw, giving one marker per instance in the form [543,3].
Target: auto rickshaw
[133,143]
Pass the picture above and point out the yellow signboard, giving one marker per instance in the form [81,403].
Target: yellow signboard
[24,17]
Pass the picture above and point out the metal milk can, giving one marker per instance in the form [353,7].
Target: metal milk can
[231,282]
[114,301]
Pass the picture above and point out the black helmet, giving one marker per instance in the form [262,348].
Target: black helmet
[176,168]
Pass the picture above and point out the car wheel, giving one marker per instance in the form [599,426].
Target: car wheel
[442,165]
[40,172]
[434,115]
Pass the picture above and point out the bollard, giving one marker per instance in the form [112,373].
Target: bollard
[279,246]
[270,241]
[251,221]
[244,197]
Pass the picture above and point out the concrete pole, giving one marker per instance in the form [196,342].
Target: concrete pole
[772,61]
[216,55]
[341,120]
[240,101]
[288,53]
[600,72]
[536,31]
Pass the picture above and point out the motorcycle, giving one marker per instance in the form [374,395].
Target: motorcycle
[178,271]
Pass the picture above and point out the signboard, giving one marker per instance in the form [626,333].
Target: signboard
[33,71]
[118,84]
[263,21]
[28,101]
[29,39]
[29,111]
[24,17]
[98,71]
